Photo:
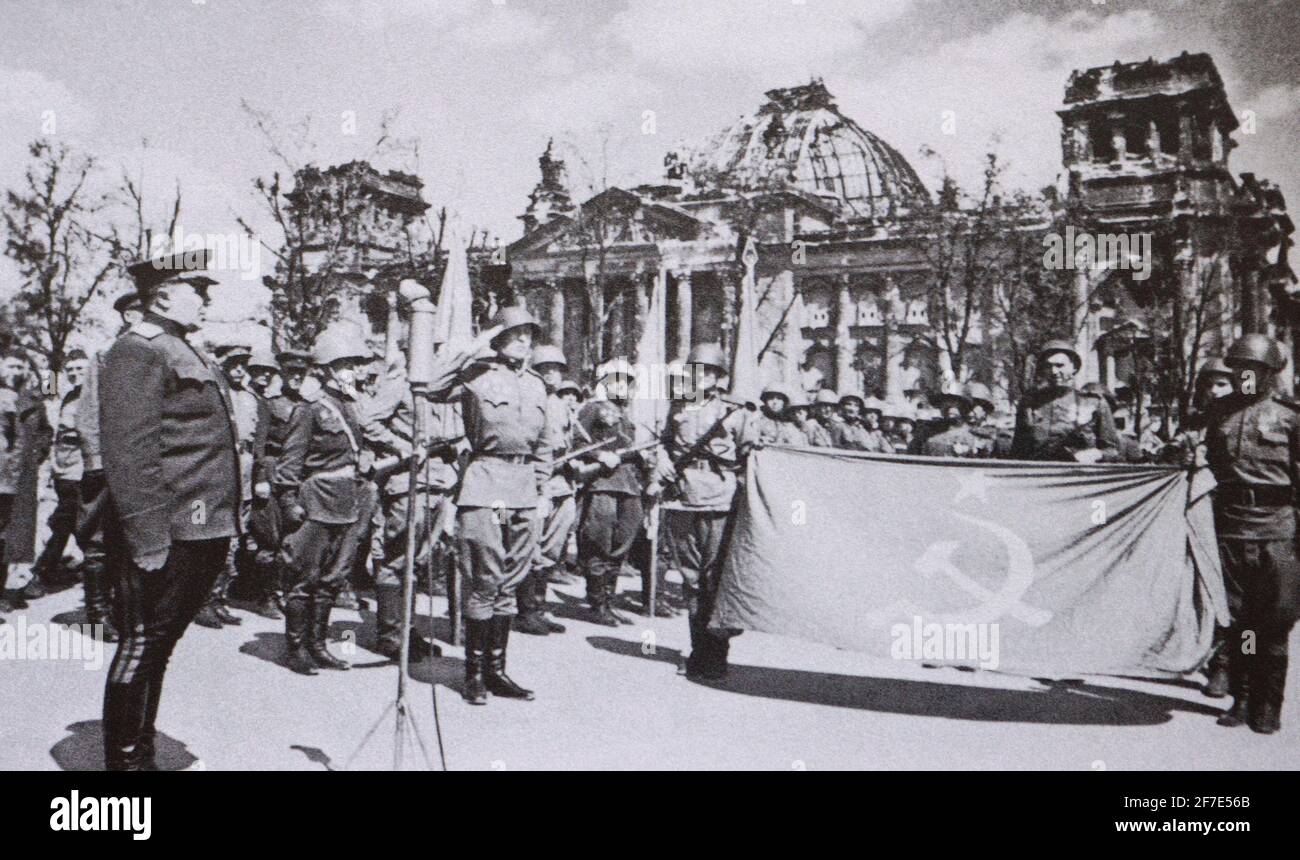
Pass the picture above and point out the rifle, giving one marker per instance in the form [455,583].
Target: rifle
[383,469]
[586,449]
[700,448]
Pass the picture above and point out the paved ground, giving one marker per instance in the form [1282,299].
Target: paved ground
[612,699]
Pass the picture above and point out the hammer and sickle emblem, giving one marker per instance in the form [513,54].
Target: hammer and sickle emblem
[937,558]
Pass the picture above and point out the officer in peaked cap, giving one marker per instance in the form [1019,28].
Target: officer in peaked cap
[1253,447]
[559,512]
[511,440]
[1057,421]
[175,500]
[325,499]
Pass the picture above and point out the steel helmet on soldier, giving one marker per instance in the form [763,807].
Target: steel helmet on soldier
[1257,348]
[567,386]
[339,341]
[616,367]
[708,354]
[978,392]
[1060,346]
[826,396]
[874,404]
[779,389]
[515,316]
[263,358]
[1212,366]
[549,354]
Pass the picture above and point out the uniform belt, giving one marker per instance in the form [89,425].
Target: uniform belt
[349,471]
[1254,495]
[509,458]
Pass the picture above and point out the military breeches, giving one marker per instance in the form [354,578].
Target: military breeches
[63,525]
[494,549]
[555,531]
[695,546]
[1262,579]
[609,527]
[394,536]
[318,557]
[264,526]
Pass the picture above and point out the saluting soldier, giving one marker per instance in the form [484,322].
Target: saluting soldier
[1253,447]
[561,509]
[66,471]
[325,498]
[1058,421]
[701,441]
[612,486]
[504,409]
[169,447]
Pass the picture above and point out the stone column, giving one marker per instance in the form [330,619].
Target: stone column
[682,277]
[555,287]
[845,381]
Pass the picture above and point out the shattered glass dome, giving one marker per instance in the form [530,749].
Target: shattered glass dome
[800,138]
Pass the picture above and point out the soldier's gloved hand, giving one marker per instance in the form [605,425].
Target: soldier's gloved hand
[262,490]
[608,459]
[152,560]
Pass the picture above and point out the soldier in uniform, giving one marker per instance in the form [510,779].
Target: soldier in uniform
[29,439]
[1058,421]
[13,370]
[957,439]
[612,486]
[1252,442]
[234,364]
[264,539]
[825,416]
[507,427]
[902,433]
[66,473]
[96,570]
[851,431]
[171,464]
[550,363]
[701,440]
[325,500]
[774,424]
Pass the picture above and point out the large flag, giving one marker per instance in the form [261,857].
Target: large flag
[1042,569]
[745,382]
[454,322]
[649,407]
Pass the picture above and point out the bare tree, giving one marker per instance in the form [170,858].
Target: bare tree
[63,251]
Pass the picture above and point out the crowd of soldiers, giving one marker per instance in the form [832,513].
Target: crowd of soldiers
[188,475]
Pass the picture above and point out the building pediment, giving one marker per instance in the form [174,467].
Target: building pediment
[614,218]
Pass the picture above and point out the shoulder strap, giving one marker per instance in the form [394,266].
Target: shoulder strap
[352,439]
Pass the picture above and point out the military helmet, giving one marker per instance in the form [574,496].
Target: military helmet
[780,389]
[708,354]
[1213,365]
[616,367]
[291,358]
[826,396]
[568,385]
[845,398]
[1059,346]
[978,392]
[874,404]
[900,410]
[1257,348]
[263,358]
[549,354]
[515,316]
[339,341]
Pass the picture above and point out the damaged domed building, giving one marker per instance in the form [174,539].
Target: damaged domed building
[844,290]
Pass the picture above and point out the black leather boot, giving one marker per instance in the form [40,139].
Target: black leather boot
[1239,684]
[97,602]
[498,682]
[320,632]
[611,598]
[1266,704]
[297,617]
[541,580]
[477,634]
[125,716]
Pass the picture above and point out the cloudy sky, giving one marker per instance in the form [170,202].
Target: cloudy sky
[479,85]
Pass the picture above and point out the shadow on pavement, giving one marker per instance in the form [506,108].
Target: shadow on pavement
[1059,704]
[83,749]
